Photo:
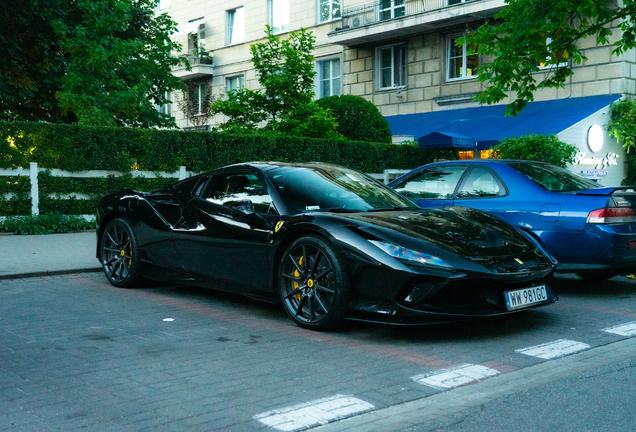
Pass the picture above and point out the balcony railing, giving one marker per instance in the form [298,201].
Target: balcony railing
[201,64]
[385,10]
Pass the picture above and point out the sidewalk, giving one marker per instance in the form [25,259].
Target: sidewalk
[40,255]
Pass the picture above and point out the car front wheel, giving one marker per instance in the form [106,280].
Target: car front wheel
[314,284]
[120,254]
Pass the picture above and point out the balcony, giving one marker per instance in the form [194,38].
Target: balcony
[201,64]
[389,19]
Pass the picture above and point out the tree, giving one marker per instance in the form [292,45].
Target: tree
[358,119]
[285,71]
[531,33]
[32,65]
[101,62]
[622,123]
[538,148]
[195,102]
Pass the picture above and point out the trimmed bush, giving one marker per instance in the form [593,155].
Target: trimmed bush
[358,119]
[79,148]
[538,148]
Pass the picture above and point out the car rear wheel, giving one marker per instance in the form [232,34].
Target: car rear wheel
[598,276]
[120,254]
[314,284]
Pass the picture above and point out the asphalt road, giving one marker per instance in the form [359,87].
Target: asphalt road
[77,353]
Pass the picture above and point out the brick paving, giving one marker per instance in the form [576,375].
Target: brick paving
[77,353]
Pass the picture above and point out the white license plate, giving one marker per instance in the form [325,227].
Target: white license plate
[526,297]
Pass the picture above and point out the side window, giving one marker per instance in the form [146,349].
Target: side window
[480,183]
[436,182]
[227,189]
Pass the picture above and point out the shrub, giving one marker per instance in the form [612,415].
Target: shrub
[538,148]
[45,224]
[358,119]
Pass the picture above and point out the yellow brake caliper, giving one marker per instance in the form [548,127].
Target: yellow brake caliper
[297,274]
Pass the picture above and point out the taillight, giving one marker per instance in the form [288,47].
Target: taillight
[609,215]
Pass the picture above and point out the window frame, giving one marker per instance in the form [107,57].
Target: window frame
[331,15]
[321,79]
[167,107]
[391,9]
[241,82]
[464,57]
[402,47]
[234,20]
[271,12]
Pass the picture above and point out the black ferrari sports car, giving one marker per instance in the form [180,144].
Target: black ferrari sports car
[328,242]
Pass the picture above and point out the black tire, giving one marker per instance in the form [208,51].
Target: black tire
[596,276]
[314,284]
[119,254]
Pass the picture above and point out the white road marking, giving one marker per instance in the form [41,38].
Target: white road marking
[558,348]
[318,412]
[456,376]
[628,329]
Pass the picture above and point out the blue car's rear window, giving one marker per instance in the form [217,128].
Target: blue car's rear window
[553,178]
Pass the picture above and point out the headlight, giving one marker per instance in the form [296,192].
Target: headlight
[403,253]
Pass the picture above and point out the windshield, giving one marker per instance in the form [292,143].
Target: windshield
[332,188]
[553,178]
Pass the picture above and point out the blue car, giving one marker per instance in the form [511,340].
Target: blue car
[588,228]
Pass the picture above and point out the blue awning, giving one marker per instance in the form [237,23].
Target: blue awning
[487,125]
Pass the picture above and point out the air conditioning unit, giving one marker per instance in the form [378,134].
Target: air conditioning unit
[356,22]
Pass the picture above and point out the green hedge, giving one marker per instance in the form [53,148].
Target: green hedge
[80,148]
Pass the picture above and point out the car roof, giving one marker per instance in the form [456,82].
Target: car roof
[273,164]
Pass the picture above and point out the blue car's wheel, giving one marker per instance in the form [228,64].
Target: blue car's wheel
[597,276]
[314,284]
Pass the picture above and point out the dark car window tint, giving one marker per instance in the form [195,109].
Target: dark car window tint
[228,189]
[479,183]
[553,178]
[434,182]
[329,187]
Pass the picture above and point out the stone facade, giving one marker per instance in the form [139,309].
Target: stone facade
[234,60]
[428,87]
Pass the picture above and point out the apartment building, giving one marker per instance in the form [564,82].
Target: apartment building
[402,56]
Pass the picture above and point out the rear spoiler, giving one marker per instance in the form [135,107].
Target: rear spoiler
[606,191]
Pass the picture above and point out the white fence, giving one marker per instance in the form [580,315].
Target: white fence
[33,171]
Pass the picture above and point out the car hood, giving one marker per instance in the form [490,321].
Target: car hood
[466,233]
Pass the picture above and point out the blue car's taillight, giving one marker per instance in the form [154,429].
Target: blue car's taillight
[610,215]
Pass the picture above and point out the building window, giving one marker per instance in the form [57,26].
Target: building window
[235,26]
[197,96]
[329,78]
[460,65]
[392,66]
[234,83]
[391,9]
[278,11]
[162,4]
[166,108]
[329,9]
[546,63]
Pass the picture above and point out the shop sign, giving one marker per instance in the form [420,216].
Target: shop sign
[599,163]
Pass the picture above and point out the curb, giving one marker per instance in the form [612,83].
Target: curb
[49,273]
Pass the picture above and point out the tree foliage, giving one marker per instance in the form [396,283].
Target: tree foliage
[32,64]
[538,148]
[285,71]
[622,123]
[97,62]
[529,34]
[358,119]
